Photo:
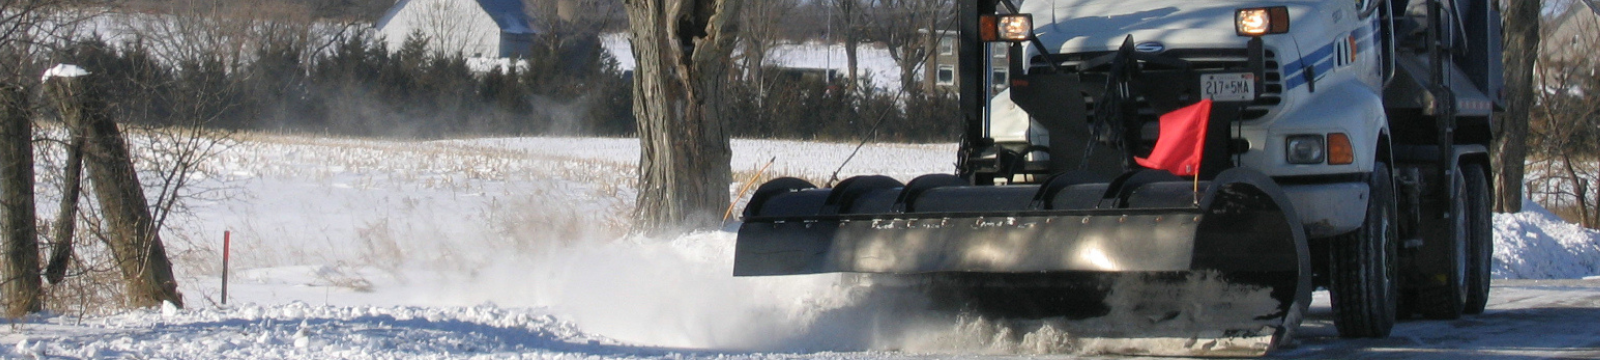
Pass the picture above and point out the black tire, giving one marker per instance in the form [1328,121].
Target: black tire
[1480,236]
[1447,299]
[1363,288]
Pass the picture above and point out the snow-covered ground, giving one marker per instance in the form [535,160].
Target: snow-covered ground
[514,249]
[873,60]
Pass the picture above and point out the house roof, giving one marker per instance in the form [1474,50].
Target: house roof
[389,15]
[510,15]
[1582,7]
[1575,10]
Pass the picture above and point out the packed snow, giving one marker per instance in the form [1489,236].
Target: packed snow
[515,248]
[1536,244]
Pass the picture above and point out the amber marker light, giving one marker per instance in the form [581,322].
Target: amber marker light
[1339,150]
[989,28]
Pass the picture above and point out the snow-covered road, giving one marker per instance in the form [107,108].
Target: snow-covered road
[1527,319]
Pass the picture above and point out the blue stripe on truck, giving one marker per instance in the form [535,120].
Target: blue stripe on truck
[1322,60]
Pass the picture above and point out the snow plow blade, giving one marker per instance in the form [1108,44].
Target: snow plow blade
[1148,264]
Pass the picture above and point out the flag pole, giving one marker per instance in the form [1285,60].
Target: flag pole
[1205,127]
[1197,185]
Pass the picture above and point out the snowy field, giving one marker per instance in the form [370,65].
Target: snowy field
[515,249]
[873,61]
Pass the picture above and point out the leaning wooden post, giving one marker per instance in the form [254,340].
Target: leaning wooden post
[21,289]
[62,233]
[130,230]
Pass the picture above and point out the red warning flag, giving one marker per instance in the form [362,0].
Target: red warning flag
[1183,136]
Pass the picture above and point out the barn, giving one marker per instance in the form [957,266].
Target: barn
[473,28]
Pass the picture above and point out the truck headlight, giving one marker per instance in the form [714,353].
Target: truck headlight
[1305,149]
[1013,28]
[1261,21]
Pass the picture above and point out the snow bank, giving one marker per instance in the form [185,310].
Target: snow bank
[1536,244]
[64,70]
[300,331]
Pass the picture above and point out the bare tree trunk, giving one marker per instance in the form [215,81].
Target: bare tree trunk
[1579,188]
[851,42]
[132,236]
[21,287]
[930,69]
[1521,18]
[755,57]
[848,11]
[67,214]
[904,27]
[683,49]
[908,74]
[761,28]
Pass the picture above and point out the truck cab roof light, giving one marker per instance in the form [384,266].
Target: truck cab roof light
[1016,28]
[1261,21]
[1010,28]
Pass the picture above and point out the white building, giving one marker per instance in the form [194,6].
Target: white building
[1574,34]
[473,28]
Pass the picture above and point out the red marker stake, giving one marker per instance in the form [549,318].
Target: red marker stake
[226,241]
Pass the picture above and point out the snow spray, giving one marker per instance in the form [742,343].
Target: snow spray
[680,293]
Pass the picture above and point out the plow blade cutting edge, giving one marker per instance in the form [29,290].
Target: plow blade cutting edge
[1147,264]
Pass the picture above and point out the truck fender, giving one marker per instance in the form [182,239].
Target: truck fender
[1346,107]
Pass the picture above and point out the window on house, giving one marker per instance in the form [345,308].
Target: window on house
[947,75]
[947,46]
[1000,77]
[1000,50]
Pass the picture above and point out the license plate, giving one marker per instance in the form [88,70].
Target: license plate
[1229,86]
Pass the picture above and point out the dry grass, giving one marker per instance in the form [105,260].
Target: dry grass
[396,205]
[530,218]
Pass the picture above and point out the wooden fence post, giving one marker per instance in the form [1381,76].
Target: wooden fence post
[134,241]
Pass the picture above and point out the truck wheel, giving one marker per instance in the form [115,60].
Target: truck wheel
[1362,285]
[1445,295]
[1480,236]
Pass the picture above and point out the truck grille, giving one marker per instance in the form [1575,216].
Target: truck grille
[1204,60]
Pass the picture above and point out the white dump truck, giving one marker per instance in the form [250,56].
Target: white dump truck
[1190,170]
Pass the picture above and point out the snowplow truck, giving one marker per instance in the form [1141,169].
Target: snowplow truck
[1172,177]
